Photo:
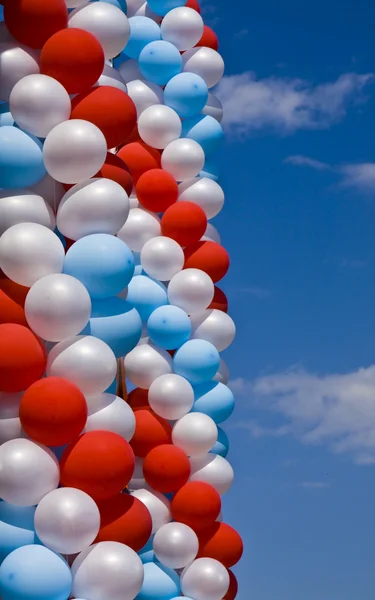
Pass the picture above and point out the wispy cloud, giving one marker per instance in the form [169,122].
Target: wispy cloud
[256,291]
[287,105]
[242,33]
[305,161]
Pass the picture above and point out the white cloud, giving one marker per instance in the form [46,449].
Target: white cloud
[305,161]
[336,410]
[284,104]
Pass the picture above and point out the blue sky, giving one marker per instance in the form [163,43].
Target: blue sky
[298,168]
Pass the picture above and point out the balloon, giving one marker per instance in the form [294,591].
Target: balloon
[194,4]
[197,360]
[137,482]
[183,27]
[158,506]
[128,68]
[214,108]
[204,62]
[213,469]
[208,256]
[115,169]
[58,59]
[16,527]
[99,463]
[146,295]
[183,159]
[22,358]
[156,190]
[195,434]
[108,412]
[175,545]
[122,4]
[160,583]
[51,190]
[10,426]
[34,573]
[222,445]
[197,504]
[141,8]
[74,3]
[74,151]
[67,520]
[222,376]
[159,125]
[107,570]
[191,289]
[184,222]
[138,398]
[219,301]
[12,301]
[162,258]
[144,94]
[84,360]
[205,130]
[28,472]
[171,396]
[20,206]
[214,399]
[110,109]
[159,61]
[38,103]
[221,542]
[143,30]
[57,307]
[16,62]
[124,519]
[205,193]
[169,327]
[150,431]
[29,251]
[145,363]
[187,94]
[33,22]
[233,587]
[208,39]
[139,158]
[112,78]
[162,7]
[166,468]
[53,411]
[21,159]
[215,326]
[205,579]
[211,233]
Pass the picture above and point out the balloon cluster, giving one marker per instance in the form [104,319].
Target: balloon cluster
[108,266]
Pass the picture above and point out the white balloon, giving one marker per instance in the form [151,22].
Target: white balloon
[158,506]
[28,472]
[205,62]
[112,78]
[183,158]
[67,520]
[222,375]
[108,412]
[144,94]
[212,469]
[141,225]
[29,251]
[213,108]
[86,361]
[205,579]
[74,150]
[38,103]
[211,234]
[74,3]
[129,70]
[140,8]
[106,22]
[145,363]
[51,190]
[107,571]
[183,27]
[95,206]
[137,481]
[214,326]
[16,62]
[10,424]
[205,192]
[196,433]
[171,396]
[175,545]
[191,289]
[162,258]
[24,206]
[57,307]
[159,125]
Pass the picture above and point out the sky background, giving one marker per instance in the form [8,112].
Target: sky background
[298,168]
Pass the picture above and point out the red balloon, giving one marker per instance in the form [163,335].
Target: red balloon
[110,109]
[222,542]
[32,22]
[115,169]
[150,431]
[139,158]
[184,222]
[157,190]
[219,301]
[134,136]
[209,39]
[124,519]
[166,468]
[74,57]
[197,504]
[100,463]
[209,257]
[194,5]
[233,587]
[23,357]
[53,411]
[138,398]
[12,301]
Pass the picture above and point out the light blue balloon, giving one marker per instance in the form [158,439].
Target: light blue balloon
[143,30]
[117,323]
[146,294]
[222,445]
[162,7]
[160,583]
[197,361]
[21,158]
[187,94]
[169,327]
[5,115]
[160,61]
[215,400]
[210,170]
[102,262]
[35,573]
[121,4]
[205,130]
[16,527]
